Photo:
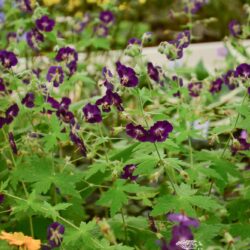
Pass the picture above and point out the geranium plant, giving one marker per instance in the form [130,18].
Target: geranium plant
[126,155]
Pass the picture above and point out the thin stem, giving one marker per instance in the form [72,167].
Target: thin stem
[155,145]
[105,148]
[228,141]
[191,152]
[124,226]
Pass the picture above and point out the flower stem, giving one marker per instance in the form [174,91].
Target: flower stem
[228,141]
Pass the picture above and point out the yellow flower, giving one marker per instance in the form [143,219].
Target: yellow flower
[20,240]
[51,2]
[99,2]
[72,4]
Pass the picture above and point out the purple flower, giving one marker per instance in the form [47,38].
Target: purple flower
[153,72]
[216,85]
[79,143]
[159,131]
[134,40]
[241,142]
[45,24]
[2,121]
[12,143]
[243,70]
[128,172]
[183,220]
[235,28]
[231,79]
[108,77]
[193,6]
[11,37]
[180,233]
[106,17]
[28,100]
[2,18]
[80,25]
[2,198]
[111,98]
[195,88]
[70,57]
[55,75]
[37,72]
[72,66]
[92,113]
[67,55]
[137,132]
[183,39]
[101,30]
[34,38]
[25,5]
[127,75]
[63,113]
[8,59]
[2,86]
[11,113]
[55,233]
[172,50]
[179,83]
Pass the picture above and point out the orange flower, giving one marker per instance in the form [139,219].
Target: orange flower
[19,239]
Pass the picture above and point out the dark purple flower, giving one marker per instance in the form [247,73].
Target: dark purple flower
[101,30]
[183,220]
[108,77]
[53,102]
[106,17]
[195,88]
[159,131]
[63,113]
[128,172]
[179,82]
[55,75]
[180,233]
[34,38]
[25,5]
[79,143]
[235,28]
[241,142]
[92,113]
[37,72]
[12,143]
[127,75]
[111,98]
[193,6]
[243,70]
[137,132]
[67,55]
[174,50]
[216,85]
[231,79]
[12,37]
[153,72]
[45,24]
[8,59]
[28,100]
[2,86]
[11,113]
[2,198]
[80,25]
[134,40]
[2,121]
[55,233]
[72,66]
[183,39]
